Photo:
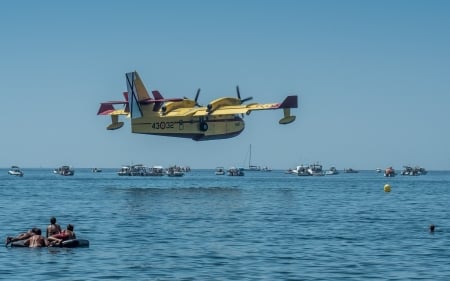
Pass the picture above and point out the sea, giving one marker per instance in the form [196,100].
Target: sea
[262,226]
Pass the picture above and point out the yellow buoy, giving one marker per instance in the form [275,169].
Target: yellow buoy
[387,188]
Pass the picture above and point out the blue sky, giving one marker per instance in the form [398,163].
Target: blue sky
[372,79]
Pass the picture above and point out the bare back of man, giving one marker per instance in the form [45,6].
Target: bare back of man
[36,241]
[53,228]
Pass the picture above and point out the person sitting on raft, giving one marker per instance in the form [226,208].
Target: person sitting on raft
[37,240]
[21,236]
[53,228]
[66,234]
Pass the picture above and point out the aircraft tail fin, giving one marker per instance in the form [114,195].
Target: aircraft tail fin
[136,93]
[289,102]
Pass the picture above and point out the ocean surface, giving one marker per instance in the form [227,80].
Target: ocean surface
[263,226]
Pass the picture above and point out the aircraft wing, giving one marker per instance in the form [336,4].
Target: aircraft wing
[185,111]
[289,102]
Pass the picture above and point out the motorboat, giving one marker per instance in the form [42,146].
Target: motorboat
[220,171]
[332,171]
[350,171]
[300,171]
[389,172]
[156,171]
[233,171]
[175,171]
[315,170]
[410,171]
[266,169]
[133,170]
[15,171]
[124,171]
[141,170]
[96,170]
[64,171]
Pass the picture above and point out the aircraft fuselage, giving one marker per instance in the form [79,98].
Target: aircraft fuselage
[196,128]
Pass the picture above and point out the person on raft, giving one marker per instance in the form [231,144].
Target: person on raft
[66,234]
[37,240]
[21,236]
[53,228]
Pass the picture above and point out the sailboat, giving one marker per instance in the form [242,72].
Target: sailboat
[255,167]
[250,166]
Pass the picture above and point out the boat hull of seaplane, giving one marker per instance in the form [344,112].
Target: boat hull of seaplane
[215,127]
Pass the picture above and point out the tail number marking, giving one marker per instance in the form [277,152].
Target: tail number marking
[162,125]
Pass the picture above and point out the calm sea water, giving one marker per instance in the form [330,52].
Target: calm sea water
[263,226]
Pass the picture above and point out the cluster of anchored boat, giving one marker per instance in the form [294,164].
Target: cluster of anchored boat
[141,170]
[407,171]
[317,170]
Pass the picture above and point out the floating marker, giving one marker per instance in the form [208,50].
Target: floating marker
[387,188]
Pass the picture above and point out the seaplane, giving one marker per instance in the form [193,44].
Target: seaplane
[222,118]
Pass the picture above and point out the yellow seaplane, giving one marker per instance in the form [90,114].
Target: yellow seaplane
[183,117]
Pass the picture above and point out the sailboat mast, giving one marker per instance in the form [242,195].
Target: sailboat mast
[250,157]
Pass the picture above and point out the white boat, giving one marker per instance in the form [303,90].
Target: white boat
[220,171]
[156,171]
[175,171]
[233,171]
[332,171]
[410,171]
[250,166]
[15,171]
[315,170]
[96,170]
[300,171]
[64,171]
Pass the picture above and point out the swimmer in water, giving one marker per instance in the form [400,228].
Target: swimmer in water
[432,228]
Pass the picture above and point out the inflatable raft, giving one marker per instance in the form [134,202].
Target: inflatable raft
[73,243]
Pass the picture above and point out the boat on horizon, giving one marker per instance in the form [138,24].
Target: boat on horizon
[389,172]
[233,171]
[64,171]
[15,171]
[175,171]
[220,171]
[332,171]
[315,170]
[410,171]
[350,171]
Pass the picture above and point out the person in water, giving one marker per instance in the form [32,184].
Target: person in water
[432,228]
[37,240]
[21,236]
[66,234]
[53,228]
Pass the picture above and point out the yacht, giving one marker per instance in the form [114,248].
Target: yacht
[15,171]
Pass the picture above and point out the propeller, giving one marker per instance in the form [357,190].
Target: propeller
[196,98]
[239,96]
